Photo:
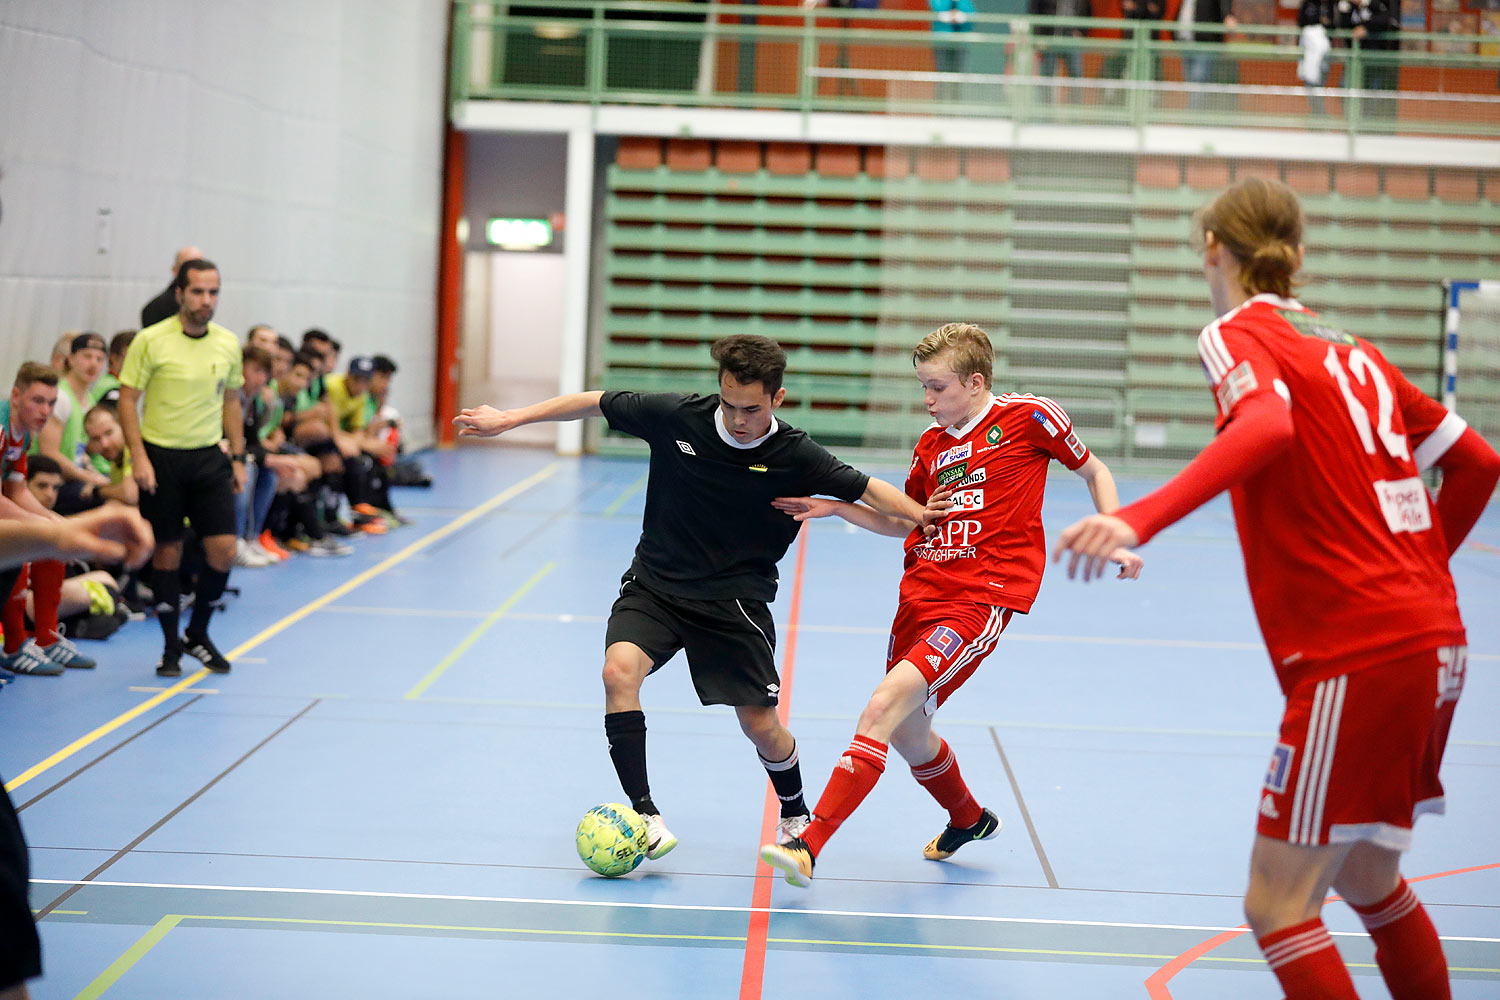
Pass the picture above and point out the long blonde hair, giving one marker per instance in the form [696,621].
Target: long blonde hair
[1260,222]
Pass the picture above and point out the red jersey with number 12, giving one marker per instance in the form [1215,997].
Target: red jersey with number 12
[1343,554]
[991,549]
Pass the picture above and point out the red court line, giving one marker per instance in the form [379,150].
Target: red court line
[753,975]
[1156,985]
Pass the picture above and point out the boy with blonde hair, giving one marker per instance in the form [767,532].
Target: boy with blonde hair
[983,461]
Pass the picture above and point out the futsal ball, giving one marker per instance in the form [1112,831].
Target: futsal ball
[612,839]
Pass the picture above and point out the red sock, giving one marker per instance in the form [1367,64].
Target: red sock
[941,778]
[852,778]
[46,595]
[13,614]
[1307,964]
[1407,948]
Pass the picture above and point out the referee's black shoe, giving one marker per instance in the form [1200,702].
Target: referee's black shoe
[202,649]
[170,665]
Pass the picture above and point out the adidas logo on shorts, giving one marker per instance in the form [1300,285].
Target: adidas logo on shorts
[933,661]
[1268,807]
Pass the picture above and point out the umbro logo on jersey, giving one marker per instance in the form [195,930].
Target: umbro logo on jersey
[773,688]
[686,448]
[1268,807]
[933,661]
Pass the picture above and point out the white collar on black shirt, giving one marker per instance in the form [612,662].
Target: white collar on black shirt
[966,429]
[729,438]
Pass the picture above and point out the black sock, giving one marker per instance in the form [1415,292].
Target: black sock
[306,509]
[166,589]
[786,778]
[210,588]
[279,514]
[354,475]
[626,732]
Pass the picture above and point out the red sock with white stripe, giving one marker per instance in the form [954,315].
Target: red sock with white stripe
[1307,964]
[1407,948]
[853,777]
[941,777]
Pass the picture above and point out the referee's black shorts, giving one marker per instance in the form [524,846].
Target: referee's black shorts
[20,950]
[195,483]
[731,645]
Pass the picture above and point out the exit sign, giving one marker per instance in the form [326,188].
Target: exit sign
[519,234]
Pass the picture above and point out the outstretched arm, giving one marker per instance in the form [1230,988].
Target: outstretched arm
[1260,431]
[1101,483]
[112,533]
[486,421]
[857,514]
[888,500]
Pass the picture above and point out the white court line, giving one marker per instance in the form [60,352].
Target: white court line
[370,894]
[1089,640]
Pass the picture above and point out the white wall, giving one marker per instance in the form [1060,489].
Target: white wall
[299,142]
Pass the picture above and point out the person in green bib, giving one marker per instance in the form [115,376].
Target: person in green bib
[108,386]
[63,438]
[187,369]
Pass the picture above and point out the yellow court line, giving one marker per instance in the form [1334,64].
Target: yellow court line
[473,637]
[127,961]
[630,491]
[285,623]
[153,937]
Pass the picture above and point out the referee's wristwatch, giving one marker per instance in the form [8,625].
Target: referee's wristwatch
[240,458]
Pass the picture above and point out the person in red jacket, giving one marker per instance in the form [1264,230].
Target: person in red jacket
[1321,444]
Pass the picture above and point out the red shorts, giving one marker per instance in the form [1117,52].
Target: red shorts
[1359,753]
[946,641]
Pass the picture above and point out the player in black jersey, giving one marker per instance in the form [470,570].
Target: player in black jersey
[704,570]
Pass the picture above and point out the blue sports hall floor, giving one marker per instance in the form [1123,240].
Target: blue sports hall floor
[379,801]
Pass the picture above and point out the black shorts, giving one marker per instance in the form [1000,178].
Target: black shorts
[195,483]
[20,950]
[70,499]
[731,645]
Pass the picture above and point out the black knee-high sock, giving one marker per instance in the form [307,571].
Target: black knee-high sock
[166,587]
[354,480]
[328,494]
[279,514]
[627,748]
[786,778]
[210,588]
[305,507]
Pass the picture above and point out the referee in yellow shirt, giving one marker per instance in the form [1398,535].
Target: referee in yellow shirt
[188,371]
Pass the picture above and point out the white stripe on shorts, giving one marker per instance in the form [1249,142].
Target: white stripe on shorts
[985,642]
[1317,761]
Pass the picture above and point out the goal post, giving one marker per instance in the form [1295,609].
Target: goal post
[1471,354]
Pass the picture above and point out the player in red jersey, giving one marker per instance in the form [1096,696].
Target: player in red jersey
[23,413]
[984,462]
[1321,443]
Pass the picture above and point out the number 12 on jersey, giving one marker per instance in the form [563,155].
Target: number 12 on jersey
[1366,370]
[1402,501]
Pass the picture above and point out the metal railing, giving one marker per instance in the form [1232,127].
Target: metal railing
[808,60]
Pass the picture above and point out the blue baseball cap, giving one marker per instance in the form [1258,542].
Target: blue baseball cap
[361,367]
